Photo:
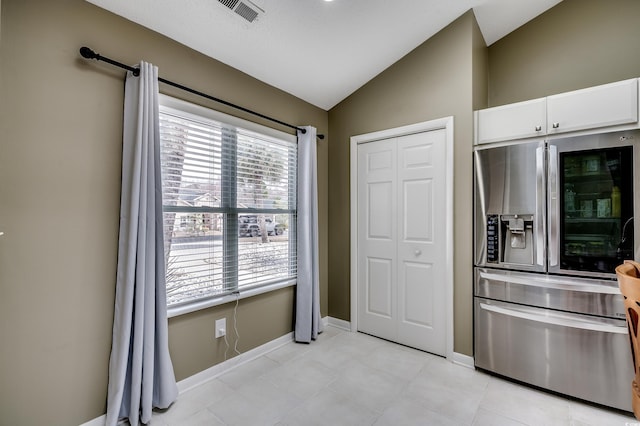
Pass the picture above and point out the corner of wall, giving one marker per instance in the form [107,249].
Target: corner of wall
[480,68]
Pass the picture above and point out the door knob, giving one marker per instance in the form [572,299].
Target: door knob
[417,252]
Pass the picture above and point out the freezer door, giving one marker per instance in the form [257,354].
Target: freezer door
[509,207]
[583,356]
[588,296]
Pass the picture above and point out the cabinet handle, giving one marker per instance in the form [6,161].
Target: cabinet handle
[418,252]
[538,128]
[556,125]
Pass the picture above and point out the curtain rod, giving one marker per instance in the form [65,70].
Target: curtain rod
[90,54]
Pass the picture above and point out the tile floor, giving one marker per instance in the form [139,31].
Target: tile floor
[353,379]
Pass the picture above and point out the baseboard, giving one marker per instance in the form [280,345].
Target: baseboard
[223,367]
[218,369]
[337,323]
[98,421]
[214,371]
[464,360]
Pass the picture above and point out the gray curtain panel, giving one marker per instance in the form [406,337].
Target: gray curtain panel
[308,322]
[141,375]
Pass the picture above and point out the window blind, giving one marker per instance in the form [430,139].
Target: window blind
[229,202]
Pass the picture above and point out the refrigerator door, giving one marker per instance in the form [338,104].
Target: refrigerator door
[590,296]
[582,356]
[509,206]
[592,182]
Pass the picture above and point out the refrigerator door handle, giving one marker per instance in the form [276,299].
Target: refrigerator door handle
[560,283]
[554,320]
[554,214]
[540,219]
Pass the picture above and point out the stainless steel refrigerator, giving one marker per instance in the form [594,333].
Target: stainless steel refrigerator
[552,221]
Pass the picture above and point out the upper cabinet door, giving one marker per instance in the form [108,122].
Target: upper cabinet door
[514,121]
[599,106]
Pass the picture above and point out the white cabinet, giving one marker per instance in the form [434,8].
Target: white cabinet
[613,106]
[599,106]
[514,121]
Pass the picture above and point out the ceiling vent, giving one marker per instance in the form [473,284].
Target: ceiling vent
[246,9]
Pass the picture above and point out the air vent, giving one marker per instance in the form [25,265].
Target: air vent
[246,12]
[229,3]
[246,9]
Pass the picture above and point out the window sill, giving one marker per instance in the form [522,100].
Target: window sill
[222,299]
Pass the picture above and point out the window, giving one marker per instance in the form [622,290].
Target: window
[229,205]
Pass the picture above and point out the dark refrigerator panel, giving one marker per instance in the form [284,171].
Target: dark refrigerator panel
[591,204]
[595,205]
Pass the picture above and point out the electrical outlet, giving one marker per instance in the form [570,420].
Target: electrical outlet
[221,327]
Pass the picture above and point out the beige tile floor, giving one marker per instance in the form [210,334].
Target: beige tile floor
[354,379]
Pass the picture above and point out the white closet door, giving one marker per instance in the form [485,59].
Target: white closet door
[421,241]
[401,240]
[377,238]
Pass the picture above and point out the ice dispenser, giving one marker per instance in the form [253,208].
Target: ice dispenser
[510,239]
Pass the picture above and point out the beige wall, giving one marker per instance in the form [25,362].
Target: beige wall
[433,81]
[576,44]
[60,154]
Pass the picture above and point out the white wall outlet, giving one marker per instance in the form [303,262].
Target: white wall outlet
[221,327]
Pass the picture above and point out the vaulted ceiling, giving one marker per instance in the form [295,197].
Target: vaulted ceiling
[320,51]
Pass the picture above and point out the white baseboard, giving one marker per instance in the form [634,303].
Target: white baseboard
[223,367]
[464,360]
[215,371]
[337,323]
[98,421]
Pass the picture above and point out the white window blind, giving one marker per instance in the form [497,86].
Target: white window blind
[229,207]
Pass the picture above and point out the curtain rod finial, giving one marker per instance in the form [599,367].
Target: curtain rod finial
[88,53]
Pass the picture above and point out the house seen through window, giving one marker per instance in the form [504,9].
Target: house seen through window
[229,203]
